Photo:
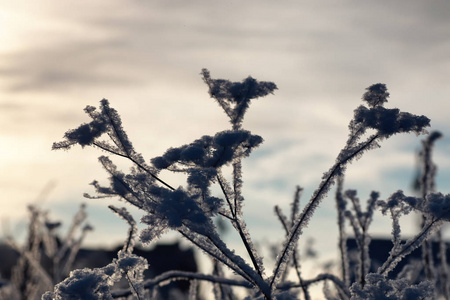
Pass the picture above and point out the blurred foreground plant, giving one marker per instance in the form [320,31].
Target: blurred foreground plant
[44,259]
[189,209]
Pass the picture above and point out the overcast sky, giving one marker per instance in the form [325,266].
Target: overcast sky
[56,57]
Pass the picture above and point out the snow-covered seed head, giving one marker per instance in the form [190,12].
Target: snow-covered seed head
[376,95]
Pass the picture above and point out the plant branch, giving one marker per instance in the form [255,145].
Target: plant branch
[237,224]
[395,257]
[294,254]
[137,164]
[313,203]
[223,260]
[181,275]
[321,277]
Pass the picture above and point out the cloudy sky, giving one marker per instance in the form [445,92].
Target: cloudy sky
[56,57]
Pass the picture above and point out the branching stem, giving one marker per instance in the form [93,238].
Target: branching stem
[237,225]
[406,249]
[312,204]
[136,163]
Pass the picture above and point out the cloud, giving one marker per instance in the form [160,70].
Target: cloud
[66,67]
[305,48]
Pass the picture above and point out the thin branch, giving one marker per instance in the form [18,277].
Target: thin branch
[340,203]
[137,164]
[225,193]
[313,203]
[223,259]
[108,150]
[237,224]
[294,254]
[132,286]
[181,275]
[321,277]
[407,248]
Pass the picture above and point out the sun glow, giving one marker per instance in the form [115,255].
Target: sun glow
[11,30]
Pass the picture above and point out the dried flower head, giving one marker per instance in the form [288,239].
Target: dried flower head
[376,95]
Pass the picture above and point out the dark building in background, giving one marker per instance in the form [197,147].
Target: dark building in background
[164,257]
[379,252]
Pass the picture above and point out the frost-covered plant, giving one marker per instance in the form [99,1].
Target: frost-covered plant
[378,287]
[32,276]
[360,222]
[189,208]
[435,210]
[91,284]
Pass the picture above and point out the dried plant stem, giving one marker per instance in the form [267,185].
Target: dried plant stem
[237,224]
[444,272]
[318,195]
[408,247]
[146,170]
[46,280]
[294,255]
[132,286]
[342,235]
[427,186]
[321,277]
[228,262]
[181,275]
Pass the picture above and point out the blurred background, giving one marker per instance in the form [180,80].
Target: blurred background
[145,57]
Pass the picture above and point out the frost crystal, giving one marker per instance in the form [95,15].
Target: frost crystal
[210,151]
[376,95]
[437,205]
[390,121]
[234,97]
[133,267]
[85,284]
[378,287]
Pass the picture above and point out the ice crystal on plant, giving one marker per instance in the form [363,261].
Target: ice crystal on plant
[210,151]
[85,284]
[234,97]
[398,201]
[376,95]
[437,206]
[177,207]
[190,208]
[390,121]
[378,287]
[133,267]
